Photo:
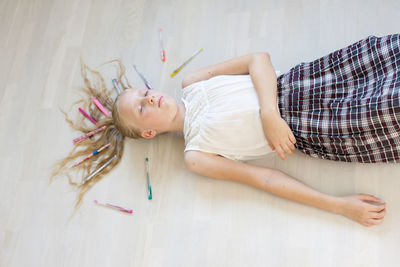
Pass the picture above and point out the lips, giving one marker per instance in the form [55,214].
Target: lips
[159,101]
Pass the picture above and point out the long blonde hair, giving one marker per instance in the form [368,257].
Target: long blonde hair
[115,132]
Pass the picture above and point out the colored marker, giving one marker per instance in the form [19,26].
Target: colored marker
[87,116]
[108,205]
[148,179]
[92,154]
[100,106]
[162,51]
[83,137]
[115,82]
[143,78]
[185,63]
[99,169]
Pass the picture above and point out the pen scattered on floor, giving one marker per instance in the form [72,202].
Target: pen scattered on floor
[93,174]
[108,205]
[87,116]
[83,137]
[162,51]
[116,86]
[148,179]
[185,63]
[100,106]
[143,78]
[92,154]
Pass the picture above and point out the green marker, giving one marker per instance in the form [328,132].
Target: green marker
[148,178]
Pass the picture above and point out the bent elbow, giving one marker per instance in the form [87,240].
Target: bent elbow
[190,161]
[185,81]
[266,55]
[262,56]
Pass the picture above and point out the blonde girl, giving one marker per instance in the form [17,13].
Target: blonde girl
[344,107]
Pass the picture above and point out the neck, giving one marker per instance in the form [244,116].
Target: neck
[178,122]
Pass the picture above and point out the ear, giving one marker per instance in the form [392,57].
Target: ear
[148,134]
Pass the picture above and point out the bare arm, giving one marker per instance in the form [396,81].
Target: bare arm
[261,71]
[283,185]
[270,180]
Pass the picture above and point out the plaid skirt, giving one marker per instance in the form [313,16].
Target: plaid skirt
[346,106]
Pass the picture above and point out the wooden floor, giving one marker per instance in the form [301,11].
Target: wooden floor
[192,220]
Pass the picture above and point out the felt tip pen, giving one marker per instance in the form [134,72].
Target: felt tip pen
[92,154]
[83,137]
[93,174]
[143,78]
[185,63]
[148,179]
[116,86]
[87,116]
[162,51]
[100,106]
[108,205]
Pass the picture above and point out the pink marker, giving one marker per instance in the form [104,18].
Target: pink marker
[113,207]
[83,137]
[87,116]
[100,106]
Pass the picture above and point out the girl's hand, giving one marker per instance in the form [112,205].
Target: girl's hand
[278,134]
[356,208]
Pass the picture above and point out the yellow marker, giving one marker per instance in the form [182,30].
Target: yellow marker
[185,63]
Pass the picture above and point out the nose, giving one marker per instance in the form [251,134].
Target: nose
[151,99]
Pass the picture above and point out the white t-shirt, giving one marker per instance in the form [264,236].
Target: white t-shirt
[223,117]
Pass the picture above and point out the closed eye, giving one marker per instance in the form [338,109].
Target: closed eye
[145,94]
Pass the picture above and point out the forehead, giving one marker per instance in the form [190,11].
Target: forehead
[128,104]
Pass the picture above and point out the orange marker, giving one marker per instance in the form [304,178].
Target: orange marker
[162,51]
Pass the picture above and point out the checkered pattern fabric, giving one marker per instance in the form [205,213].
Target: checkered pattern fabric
[346,106]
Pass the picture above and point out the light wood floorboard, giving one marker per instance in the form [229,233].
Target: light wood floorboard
[192,220]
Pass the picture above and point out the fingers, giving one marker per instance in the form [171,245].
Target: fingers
[292,138]
[280,152]
[271,145]
[368,198]
[292,147]
[379,208]
[282,149]
[291,141]
[285,148]
[379,215]
[371,222]
[376,217]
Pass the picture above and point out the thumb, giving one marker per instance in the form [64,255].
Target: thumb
[272,147]
[369,198]
[292,139]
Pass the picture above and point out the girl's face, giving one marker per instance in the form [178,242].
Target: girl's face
[148,110]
